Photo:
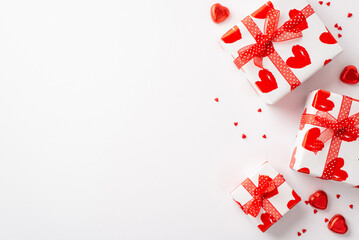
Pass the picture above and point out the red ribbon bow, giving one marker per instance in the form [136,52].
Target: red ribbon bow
[264,42]
[267,188]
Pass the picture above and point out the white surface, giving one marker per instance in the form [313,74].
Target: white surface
[109,129]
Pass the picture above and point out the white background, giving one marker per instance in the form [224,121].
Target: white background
[109,130]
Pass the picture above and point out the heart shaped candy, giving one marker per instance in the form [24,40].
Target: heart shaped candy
[219,13]
[350,75]
[338,224]
[319,200]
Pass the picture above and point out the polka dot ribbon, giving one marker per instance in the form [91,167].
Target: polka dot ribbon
[264,41]
[344,128]
[267,188]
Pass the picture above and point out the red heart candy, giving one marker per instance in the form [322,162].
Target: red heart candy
[350,75]
[338,174]
[233,35]
[268,82]
[338,224]
[327,38]
[311,142]
[267,220]
[319,200]
[294,202]
[303,25]
[219,13]
[301,57]
[262,12]
[321,101]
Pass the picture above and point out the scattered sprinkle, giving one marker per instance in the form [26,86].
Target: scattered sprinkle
[350,14]
[326,220]
[244,136]
[328,3]
[336,25]
[299,234]
[351,206]
[216,99]
[304,230]
[320,2]
[235,124]
[339,35]
[306,202]
[259,110]
[315,211]
[264,136]
[340,28]
[338,196]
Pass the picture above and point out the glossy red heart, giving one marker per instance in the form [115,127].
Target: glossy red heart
[338,224]
[301,57]
[268,82]
[262,12]
[338,174]
[294,202]
[327,38]
[292,160]
[311,142]
[319,200]
[267,220]
[303,25]
[219,13]
[321,101]
[233,35]
[350,75]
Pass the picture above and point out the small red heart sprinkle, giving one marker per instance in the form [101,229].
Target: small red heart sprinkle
[304,230]
[306,202]
[339,35]
[235,124]
[216,99]
[350,14]
[336,25]
[299,234]
[244,136]
[264,136]
[351,206]
[328,3]
[315,211]
[340,28]
[259,110]
[338,196]
[320,2]
[219,13]
[326,220]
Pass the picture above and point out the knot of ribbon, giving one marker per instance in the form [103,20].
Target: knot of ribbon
[264,42]
[267,188]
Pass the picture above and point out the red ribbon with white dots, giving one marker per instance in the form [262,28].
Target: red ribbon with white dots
[344,128]
[267,188]
[264,41]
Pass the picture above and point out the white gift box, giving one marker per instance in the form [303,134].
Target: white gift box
[275,206]
[324,151]
[302,56]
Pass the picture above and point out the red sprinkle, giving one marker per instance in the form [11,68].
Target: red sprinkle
[259,110]
[264,136]
[336,25]
[339,35]
[340,28]
[338,196]
[306,202]
[326,220]
[315,211]
[299,234]
[350,14]
[244,136]
[304,230]
[320,2]
[235,124]
[351,206]
[216,99]
[328,3]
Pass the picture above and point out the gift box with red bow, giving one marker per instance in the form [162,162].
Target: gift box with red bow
[280,46]
[265,197]
[327,143]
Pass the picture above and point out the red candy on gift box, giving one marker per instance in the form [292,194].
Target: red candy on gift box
[327,142]
[279,46]
[265,197]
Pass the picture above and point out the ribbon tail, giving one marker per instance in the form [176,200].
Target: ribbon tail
[258,61]
[271,22]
